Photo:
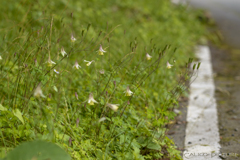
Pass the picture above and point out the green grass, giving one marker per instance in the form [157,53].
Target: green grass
[33,31]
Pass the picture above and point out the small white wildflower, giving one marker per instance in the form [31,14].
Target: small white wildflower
[114,107]
[148,57]
[101,51]
[101,71]
[88,62]
[102,119]
[73,39]
[76,65]
[128,92]
[0,57]
[50,62]
[63,52]
[56,71]
[38,92]
[169,65]
[91,100]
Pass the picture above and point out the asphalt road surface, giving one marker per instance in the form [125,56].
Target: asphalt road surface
[226,69]
[226,14]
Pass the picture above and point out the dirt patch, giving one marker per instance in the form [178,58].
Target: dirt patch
[177,129]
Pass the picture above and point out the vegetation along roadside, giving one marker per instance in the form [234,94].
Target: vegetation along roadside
[98,78]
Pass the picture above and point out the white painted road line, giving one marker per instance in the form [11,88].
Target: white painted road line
[202,136]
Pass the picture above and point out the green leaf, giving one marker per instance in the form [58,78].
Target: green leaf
[39,150]
[99,154]
[2,108]
[154,146]
[82,32]
[65,137]
[3,151]
[88,26]
[194,66]
[199,63]
[122,138]
[101,101]
[135,145]
[18,114]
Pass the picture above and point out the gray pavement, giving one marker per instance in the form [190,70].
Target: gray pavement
[226,69]
[226,14]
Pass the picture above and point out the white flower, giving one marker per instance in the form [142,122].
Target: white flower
[100,51]
[169,65]
[56,71]
[89,62]
[38,92]
[50,62]
[91,100]
[128,92]
[101,71]
[63,52]
[73,39]
[0,57]
[76,65]
[114,107]
[102,119]
[148,57]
